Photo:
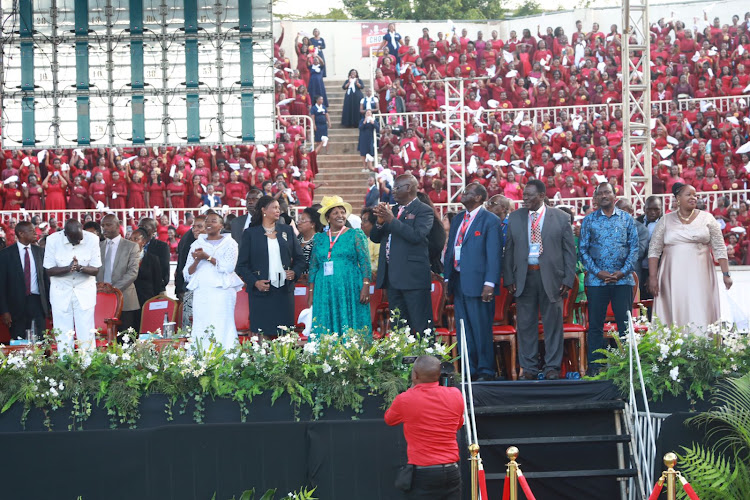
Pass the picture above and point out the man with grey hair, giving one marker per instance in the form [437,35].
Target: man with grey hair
[120,261]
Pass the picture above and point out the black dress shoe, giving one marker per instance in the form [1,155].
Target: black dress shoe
[529,376]
[552,375]
[486,378]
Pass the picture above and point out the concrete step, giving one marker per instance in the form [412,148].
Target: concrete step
[337,157]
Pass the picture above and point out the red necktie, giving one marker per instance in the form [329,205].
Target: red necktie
[461,234]
[27,271]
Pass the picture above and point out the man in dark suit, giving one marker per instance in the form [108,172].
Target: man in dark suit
[120,263]
[643,236]
[24,284]
[373,194]
[539,270]
[404,264]
[473,261]
[149,273]
[183,250]
[239,224]
[653,211]
[157,248]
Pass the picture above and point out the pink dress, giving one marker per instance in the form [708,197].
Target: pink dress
[55,197]
[34,201]
[156,195]
[77,202]
[135,195]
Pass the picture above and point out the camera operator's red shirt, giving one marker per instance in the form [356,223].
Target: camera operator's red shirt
[431,414]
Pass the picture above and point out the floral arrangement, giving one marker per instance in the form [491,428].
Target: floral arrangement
[328,371]
[678,360]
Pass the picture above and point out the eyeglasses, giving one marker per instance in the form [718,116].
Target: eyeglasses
[399,187]
[492,203]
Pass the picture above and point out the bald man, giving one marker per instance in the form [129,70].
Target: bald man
[501,207]
[120,261]
[432,415]
[72,259]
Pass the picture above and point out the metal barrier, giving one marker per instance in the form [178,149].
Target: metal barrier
[711,199]
[305,121]
[127,216]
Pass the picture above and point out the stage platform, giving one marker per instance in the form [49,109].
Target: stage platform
[345,458]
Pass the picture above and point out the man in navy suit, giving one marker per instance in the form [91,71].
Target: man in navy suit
[473,260]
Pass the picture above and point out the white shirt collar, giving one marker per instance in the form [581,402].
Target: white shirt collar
[21,246]
[115,241]
[539,211]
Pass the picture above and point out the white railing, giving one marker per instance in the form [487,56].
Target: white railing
[639,424]
[127,216]
[305,121]
[710,199]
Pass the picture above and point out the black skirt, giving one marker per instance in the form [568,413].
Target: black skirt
[271,309]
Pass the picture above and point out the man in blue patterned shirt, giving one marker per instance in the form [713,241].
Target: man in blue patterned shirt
[609,251]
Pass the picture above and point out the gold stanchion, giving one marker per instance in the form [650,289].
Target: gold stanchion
[512,472]
[670,460]
[474,452]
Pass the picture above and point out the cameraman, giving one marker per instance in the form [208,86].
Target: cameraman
[432,415]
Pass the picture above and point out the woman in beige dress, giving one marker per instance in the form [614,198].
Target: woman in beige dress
[684,282]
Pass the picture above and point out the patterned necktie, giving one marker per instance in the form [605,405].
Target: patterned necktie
[388,245]
[27,271]
[108,263]
[461,234]
[536,231]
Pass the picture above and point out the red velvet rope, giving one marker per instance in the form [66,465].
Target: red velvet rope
[657,491]
[506,488]
[483,484]
[525,488]
[690,491]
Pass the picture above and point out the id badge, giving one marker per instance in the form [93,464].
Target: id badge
[534,250]
[328,268]
[457,253]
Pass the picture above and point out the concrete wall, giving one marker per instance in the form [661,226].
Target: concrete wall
[344,47]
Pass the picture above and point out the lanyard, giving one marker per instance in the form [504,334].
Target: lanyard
[538,220]
[332,241]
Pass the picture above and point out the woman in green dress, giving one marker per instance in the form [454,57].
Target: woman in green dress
[339,277]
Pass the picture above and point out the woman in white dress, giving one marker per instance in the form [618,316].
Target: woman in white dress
[209,273]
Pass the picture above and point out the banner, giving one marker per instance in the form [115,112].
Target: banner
[372,36]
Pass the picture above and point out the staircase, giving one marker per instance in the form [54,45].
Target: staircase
[341,168]
[569,448]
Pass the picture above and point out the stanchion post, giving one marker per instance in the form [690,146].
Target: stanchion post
[474,452]
[670,460]
[512,472]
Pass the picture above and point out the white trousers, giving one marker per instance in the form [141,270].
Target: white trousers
[74,318]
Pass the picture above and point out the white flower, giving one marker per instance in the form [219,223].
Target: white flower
[112,358]
[654,368]
[326,367]
[126,356]
[62,386]
[664,350]
[126,338]
[674,373]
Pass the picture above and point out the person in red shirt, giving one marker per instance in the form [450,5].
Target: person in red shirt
[432,415]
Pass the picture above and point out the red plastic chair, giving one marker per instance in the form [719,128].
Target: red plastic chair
[610,324]
[107,311]
[378,313]
[4,334]
[504,332]
[301,294]
[574,334]
[153,311]
[242,312]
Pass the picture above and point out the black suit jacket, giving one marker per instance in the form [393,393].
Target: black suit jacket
[12,288]
[373,197]
[409,266]
[183,250]
[238,226]
[148,284]
[160,250]
[252,264]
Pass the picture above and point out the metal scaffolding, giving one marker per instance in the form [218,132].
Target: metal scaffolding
[636,100]
[455,139]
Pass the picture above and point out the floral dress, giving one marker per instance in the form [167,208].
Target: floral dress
[336,306]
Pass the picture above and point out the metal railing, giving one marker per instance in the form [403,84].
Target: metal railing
[711,199]
[127,216]
[304,121]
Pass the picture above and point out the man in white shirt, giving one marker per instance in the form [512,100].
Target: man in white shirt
[120,261]
[72,259]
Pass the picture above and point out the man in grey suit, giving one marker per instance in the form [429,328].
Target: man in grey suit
[539,270]
[239,224]
[120,262]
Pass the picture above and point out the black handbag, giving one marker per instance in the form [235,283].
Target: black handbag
[405,477]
